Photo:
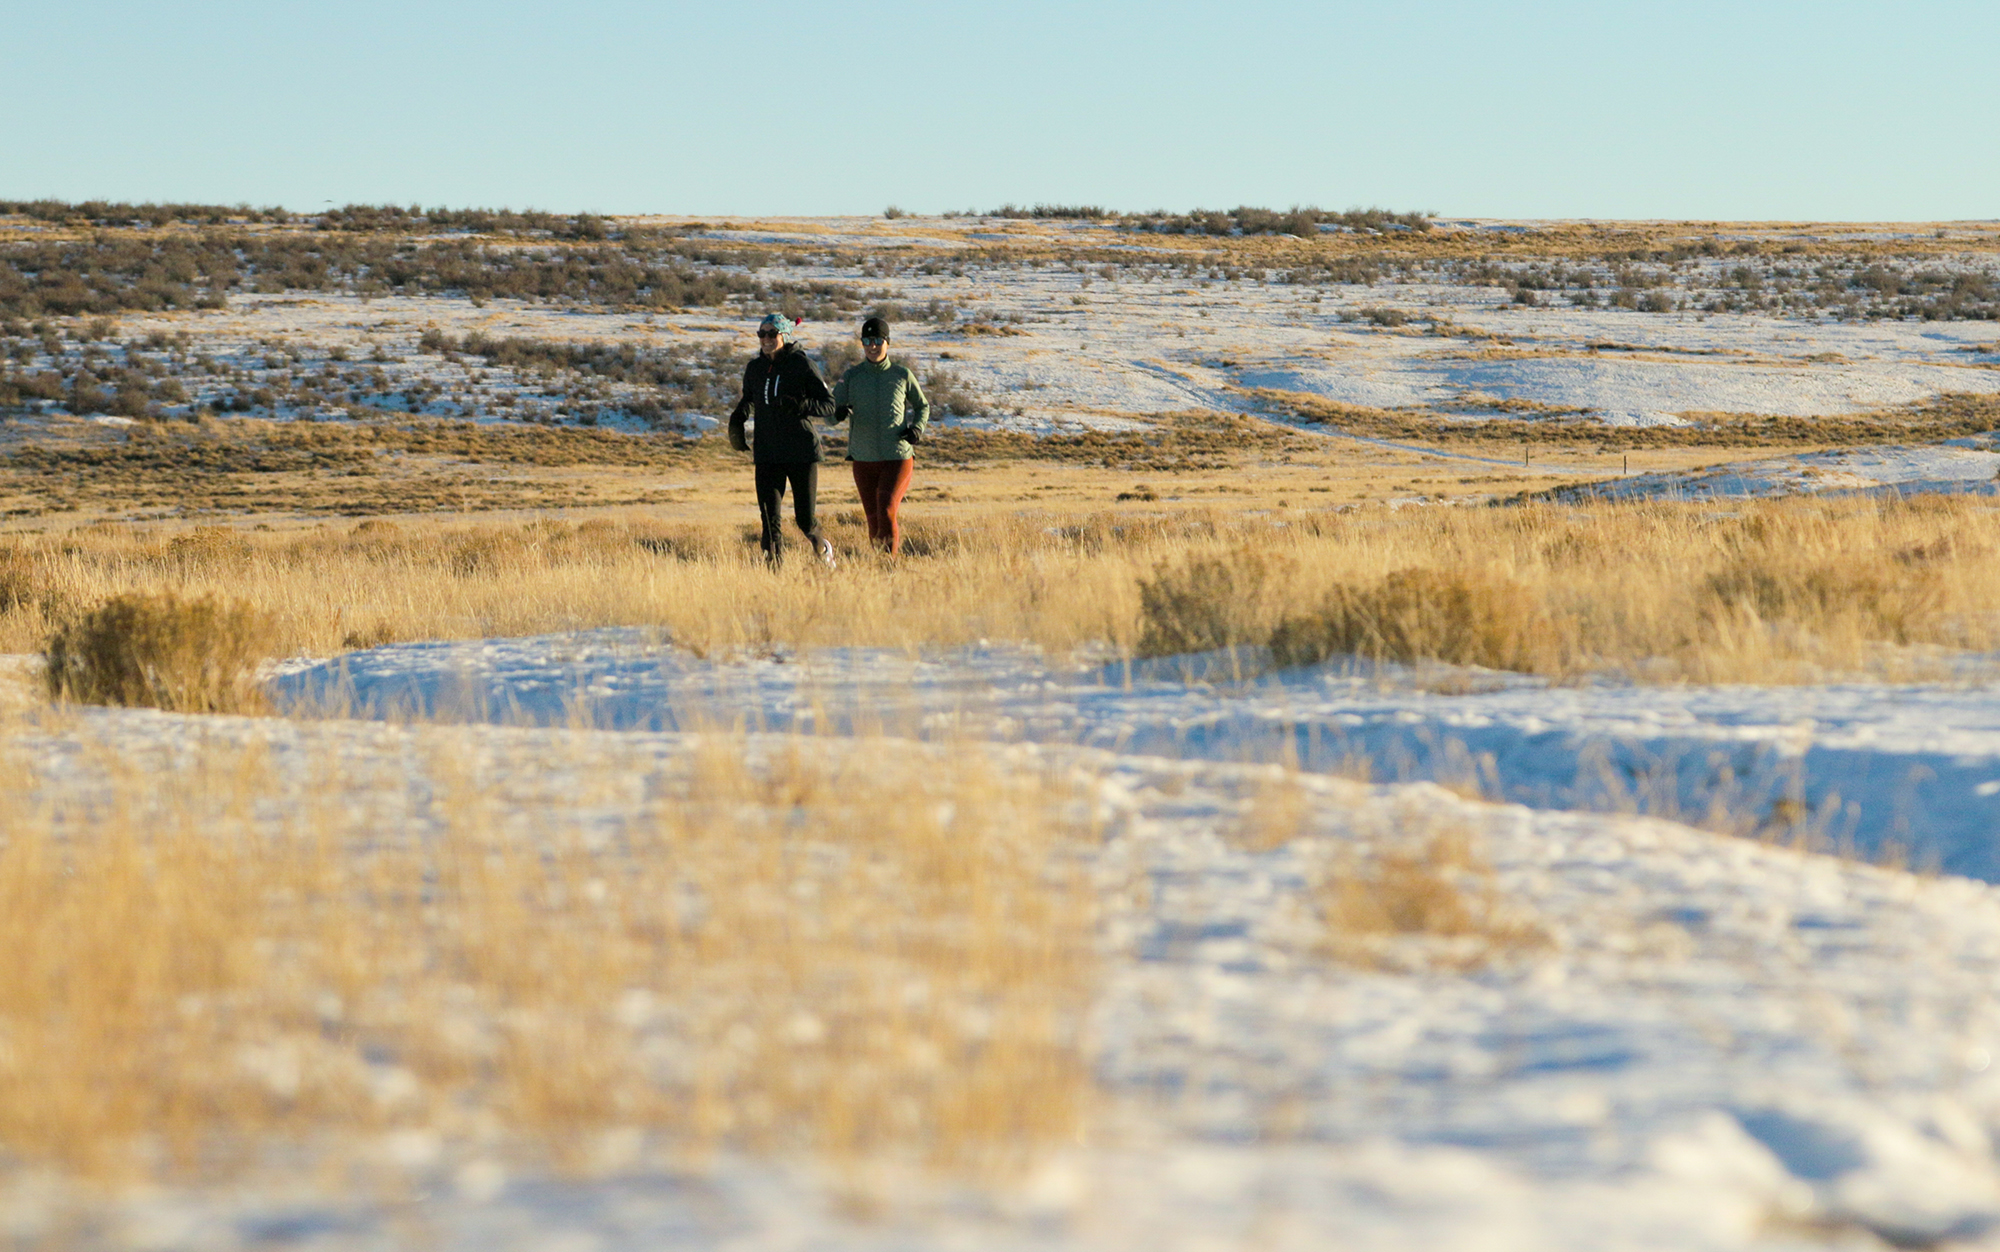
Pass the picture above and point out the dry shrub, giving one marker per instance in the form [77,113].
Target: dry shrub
[1897,605]
[1207,601]
[208,547]
[163,651]
[784,948]
[1458,616]
[1431,904]
[487,551]
[375,635]
[688,543]
[28,585]
[924,538]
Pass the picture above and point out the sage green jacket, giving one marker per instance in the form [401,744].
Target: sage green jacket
[884,400]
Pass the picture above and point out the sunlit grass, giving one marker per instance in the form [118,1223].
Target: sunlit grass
[784,946]
[1770,591]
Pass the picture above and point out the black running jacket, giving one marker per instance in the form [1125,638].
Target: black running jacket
[783,394]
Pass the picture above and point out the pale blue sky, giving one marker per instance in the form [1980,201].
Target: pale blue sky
[1837,109]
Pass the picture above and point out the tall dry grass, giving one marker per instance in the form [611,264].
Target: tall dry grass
[333,589]
[1776,591]
[1766,591]
[779,946]
[162,651]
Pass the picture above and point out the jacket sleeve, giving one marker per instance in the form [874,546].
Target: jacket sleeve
[843,408]
[916,405]
[814,399]
[744,405]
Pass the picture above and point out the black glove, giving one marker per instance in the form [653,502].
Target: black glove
[913,434]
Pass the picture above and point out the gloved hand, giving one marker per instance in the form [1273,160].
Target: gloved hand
[913,434]
[737,439]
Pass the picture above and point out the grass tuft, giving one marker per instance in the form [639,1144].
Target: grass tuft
[29,586]
[1458,616]
[1893,605]
[1208,601]
[1433,902]
[163,651]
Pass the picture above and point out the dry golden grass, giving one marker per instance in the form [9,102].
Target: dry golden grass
[1426,899]
[1460,617]
[1948,416]
[1408,889]
[794,948]
[1768,591]
[162,651]
[1776,591]
[1211,599]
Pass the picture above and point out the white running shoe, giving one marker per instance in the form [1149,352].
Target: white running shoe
[826,554]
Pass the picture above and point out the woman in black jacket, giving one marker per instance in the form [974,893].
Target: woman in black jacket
[782,394]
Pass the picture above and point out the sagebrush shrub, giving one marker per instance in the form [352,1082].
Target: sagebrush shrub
[1456,616]
[837,356]
[1903,605]
[1208,602]
[27,584]
[950,395]
[163,651]
[208,547]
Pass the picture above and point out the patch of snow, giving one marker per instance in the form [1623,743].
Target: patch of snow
[1873,766]
[1958,467]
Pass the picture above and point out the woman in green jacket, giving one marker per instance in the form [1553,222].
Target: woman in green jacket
[888,412]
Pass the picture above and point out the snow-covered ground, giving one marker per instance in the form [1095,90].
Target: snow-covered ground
[1724,1041]
[1089,345]
[1720,1041]
[1968,466]
[1878,768]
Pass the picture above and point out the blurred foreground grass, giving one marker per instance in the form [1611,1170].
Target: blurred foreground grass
[789,947]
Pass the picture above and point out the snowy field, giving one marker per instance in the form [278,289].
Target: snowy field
[1096,353]
[1754,1000]
[1716,1041]
[1041,331]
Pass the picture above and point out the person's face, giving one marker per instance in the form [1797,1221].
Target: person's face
[875,348]
[769,341]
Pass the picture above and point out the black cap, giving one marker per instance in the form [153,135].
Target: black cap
[874,328]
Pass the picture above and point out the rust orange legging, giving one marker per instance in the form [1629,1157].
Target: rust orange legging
[882,484]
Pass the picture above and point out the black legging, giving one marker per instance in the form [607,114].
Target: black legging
[771,480]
